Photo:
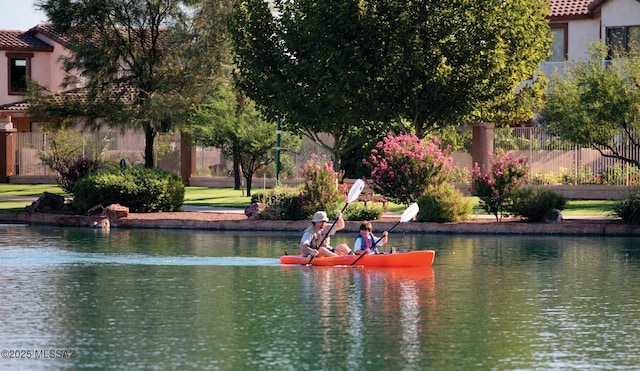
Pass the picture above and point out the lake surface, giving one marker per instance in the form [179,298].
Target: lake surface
[75,298]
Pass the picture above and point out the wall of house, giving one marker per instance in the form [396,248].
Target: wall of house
[3,77]
[581,34]
[41,69]
[53,69]
[620,13]
[46,69]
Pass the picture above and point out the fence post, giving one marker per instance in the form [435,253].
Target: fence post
[482,144]
[7,148]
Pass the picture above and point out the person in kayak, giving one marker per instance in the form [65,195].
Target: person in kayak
[314,235]
[367,240]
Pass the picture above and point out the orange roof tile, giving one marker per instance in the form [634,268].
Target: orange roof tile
[49,32]
[569,8]
[15,106]
[22,41]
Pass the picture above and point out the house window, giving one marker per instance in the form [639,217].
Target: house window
[558,43]
[19,72]
[623,41]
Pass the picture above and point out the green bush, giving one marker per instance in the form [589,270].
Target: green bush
[442,204]
[282,203]
[357,211]
[141,190]
[536,205]
[628,209]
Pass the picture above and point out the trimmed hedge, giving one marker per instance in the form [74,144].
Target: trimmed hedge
[142,190]
[443,204]
[536,205]
[282,203]
[629,208]
[357,211]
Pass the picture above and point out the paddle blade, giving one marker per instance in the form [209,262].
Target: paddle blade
[410,213]
[355,191]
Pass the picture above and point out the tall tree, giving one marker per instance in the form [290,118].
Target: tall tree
[305,61]
[450,62]
[231,122]
[330,66]
[136,61]
[598,104]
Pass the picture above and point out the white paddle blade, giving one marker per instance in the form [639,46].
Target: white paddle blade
[410,213]
[355,191]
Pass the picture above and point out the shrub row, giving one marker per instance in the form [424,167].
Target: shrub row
[447,204]
[141,190]
[628,209]
[286,203]
[282,203]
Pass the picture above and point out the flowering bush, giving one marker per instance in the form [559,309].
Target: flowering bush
[496,187]
[320,191]
[69,173]
[403,167]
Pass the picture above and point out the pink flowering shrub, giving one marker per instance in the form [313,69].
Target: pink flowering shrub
[320,190]
[496,187]
[402,167]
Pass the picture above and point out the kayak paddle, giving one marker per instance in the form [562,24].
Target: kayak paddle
[407,215]
[354,192]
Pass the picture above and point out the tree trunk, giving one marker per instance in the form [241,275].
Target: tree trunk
[149,137]
[337,158]
[249,179]
[236,170]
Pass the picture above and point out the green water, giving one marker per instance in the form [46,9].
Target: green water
[153,299]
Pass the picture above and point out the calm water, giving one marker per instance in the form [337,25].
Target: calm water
[152,299]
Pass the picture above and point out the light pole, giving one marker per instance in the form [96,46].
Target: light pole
[278,133]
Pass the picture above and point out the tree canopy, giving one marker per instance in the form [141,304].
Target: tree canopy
[306,62]
[138,63]
[331,66]
[231,122]
[598,104]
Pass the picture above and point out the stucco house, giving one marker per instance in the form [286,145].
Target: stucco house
[575,24]
[35,55]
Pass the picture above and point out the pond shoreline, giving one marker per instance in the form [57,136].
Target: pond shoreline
[227,220]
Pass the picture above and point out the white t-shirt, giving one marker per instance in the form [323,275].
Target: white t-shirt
[309,232]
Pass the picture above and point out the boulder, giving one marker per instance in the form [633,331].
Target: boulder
[96,210]
[114,212]
[101,224]
[47,203]
[253,211]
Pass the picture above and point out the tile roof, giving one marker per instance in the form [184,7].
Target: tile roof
[123,92]
[22,41]
[49,32]
[15,106]
[569,8]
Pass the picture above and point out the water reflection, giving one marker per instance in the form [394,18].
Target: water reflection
[212,300]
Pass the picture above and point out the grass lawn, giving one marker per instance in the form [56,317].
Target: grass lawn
[574,207]
[229,197]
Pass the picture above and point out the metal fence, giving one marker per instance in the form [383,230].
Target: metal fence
[556,161]
[212,162]
[108,146]
[552,160]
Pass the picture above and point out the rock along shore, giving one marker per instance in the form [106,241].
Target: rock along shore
[234,221]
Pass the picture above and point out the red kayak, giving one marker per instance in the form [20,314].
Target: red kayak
[423,258]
